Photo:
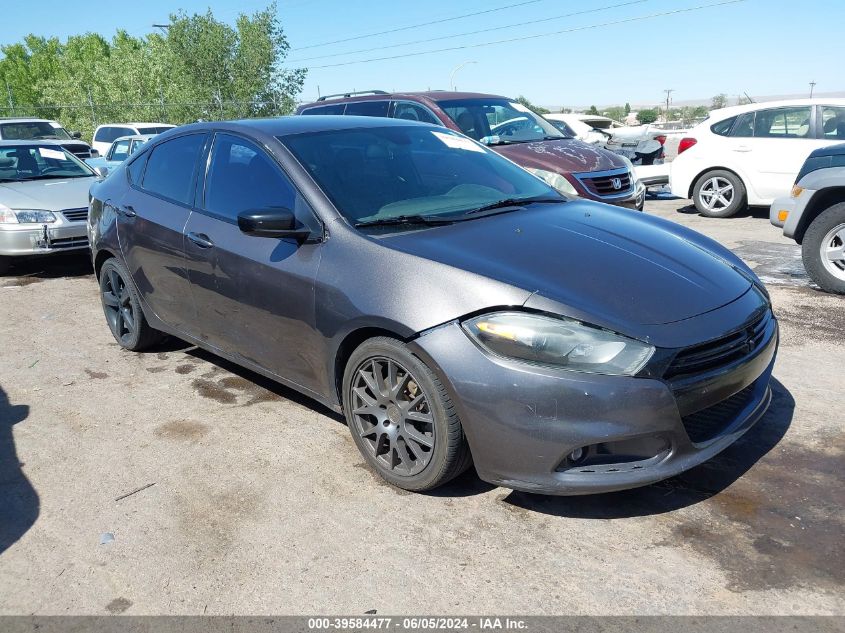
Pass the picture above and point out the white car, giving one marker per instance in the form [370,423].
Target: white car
[641,144]
[751,154]
[105,135]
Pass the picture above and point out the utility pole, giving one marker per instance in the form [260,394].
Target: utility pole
[668,92]
[11,101]
[812,87]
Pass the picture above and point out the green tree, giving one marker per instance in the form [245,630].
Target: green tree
[627,108]
[647,116]
[534,108]
[201,68]
[615,112]
[592,110]
[719,101]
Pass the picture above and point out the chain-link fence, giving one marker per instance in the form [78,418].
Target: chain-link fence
[85,117]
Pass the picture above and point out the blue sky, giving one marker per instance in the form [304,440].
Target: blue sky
[764,47]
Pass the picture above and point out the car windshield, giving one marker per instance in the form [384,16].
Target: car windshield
[39,162]
[375,175]
[499,121]
[26,130]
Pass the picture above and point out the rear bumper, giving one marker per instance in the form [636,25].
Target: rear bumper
[42,239]
[525,422]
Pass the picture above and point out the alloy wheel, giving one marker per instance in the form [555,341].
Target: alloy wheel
[716,194]
[117,302]
[391,413]
[832,251]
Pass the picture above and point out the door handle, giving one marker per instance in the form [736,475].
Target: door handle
[200,239]
[128,210]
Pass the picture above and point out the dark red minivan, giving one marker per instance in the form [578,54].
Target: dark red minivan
[570,166]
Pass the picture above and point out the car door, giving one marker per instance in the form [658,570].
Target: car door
[152,217]
[254,295]
[771,144]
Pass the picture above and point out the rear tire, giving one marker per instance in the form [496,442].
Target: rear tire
[5,263]
[719,194]
[401,417]
[122,308]
[822,249]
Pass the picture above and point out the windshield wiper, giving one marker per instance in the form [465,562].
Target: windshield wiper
[405,219]
[514,202]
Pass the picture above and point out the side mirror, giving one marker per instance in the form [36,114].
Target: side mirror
[272,222]
[76,134]
[101,170]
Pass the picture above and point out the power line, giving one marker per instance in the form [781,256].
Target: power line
[416,26]
[447,37]
[531,37]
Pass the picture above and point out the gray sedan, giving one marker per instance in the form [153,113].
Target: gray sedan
[43,200]
[453,306]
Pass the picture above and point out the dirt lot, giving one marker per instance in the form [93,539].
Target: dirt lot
[261,503]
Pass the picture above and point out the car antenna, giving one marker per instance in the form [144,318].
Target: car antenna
[750,100]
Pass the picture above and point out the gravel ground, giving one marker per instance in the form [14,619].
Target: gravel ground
[260,503]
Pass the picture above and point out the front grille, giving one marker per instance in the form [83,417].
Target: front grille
[75,215]
[708,423]
[604,185]
[723,351]
[69,242]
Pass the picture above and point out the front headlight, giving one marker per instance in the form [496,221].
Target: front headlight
[29,216]
[559,342]
[555,180]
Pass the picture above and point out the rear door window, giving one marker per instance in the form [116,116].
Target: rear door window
[410,111]
[334,108]
[783,123]
[744,126]
[833,123]
[367,108]
[171,166]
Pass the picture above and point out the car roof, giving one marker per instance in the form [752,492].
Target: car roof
[436,96]
[289,125]
[26,120]
[724,113]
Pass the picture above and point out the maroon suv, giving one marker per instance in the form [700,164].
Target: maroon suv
[570,166]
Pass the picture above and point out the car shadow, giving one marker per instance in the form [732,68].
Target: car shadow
[19,503]
[691,487]
[748,212]
[262,381]
[29,270]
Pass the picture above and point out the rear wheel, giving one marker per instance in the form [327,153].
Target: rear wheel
[719,194]
[401,417]
[823,249]
[122,307]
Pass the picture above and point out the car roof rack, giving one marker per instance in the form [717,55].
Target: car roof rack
[352,94]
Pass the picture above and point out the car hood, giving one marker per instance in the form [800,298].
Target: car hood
[607,265]
[50,195]
[561,156]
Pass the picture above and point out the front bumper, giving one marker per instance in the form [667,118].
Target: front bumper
[793,208]
[42,239]
[523,422]
[635,199]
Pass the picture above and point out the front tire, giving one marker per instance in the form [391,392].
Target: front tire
[719,194]
[401,417]
[122,308]
[823,249]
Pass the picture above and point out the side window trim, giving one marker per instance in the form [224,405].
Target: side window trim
[193,177]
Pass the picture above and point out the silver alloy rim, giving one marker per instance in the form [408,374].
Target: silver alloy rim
[716,194]
[392,416]
[832,251]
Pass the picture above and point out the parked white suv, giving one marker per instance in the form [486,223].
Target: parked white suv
[105,135]
[751,154]
[30,129]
